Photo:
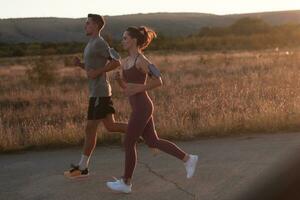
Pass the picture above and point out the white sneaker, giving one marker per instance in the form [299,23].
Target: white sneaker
[190,165]
[119,186]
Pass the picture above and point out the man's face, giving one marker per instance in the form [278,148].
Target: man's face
[90,27]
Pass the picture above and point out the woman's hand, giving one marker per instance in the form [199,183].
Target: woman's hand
[133,89]
[117,76]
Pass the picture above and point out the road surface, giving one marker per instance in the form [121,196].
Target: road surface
[227,167]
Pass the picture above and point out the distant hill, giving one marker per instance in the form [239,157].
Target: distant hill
[169,24]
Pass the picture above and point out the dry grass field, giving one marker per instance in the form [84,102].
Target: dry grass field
[204,94]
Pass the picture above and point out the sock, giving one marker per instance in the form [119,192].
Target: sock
[84,162]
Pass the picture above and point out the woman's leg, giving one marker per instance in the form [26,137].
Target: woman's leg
[136,126]
[153,141]
[151,138]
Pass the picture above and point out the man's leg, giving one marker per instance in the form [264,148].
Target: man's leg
[90,136]
[81,170]
[112,126]
[89,142]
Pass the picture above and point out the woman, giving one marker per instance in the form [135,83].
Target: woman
[135,86]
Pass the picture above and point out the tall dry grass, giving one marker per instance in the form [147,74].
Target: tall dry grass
[204,94]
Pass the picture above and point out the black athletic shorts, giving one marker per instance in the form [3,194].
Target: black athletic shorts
[99,107]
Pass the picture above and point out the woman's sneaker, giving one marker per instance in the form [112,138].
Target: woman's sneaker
[190,166]
[119,186]
[75,172]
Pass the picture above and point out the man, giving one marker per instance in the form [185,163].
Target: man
[97,61]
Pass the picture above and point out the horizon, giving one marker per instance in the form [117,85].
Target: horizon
[80,8]
[294,10]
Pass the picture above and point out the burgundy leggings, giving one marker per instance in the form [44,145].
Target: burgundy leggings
[141,124]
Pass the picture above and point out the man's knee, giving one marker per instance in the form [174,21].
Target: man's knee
[109,123]
[91,128]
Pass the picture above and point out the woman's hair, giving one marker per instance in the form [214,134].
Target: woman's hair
[142,34]
[98,19]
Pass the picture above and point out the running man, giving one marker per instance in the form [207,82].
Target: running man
[97,61]
[136,70]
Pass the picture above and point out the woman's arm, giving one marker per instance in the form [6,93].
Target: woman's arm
[152,84]
[155,82]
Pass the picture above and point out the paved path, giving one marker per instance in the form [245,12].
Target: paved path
[227,166]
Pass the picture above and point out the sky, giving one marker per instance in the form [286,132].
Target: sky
[80,8]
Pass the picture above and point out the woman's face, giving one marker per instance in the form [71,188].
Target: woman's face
[127,41]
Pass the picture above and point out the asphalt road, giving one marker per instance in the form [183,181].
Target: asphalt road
[227,167]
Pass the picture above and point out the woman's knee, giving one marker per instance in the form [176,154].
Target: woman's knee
[110,127]
[90,131]
[129,142]
[152,143]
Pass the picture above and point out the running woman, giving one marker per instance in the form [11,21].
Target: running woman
[136,70]
[97,61]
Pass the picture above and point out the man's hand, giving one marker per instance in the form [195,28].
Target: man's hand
[78,63]
[92,73]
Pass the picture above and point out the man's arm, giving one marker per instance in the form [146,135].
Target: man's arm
[81,65]
[111,65]
[78,63]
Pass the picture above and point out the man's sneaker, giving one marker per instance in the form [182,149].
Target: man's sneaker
[75,172]
[119,186]
[190,165]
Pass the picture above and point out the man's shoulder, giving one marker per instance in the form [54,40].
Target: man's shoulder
[101,41]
